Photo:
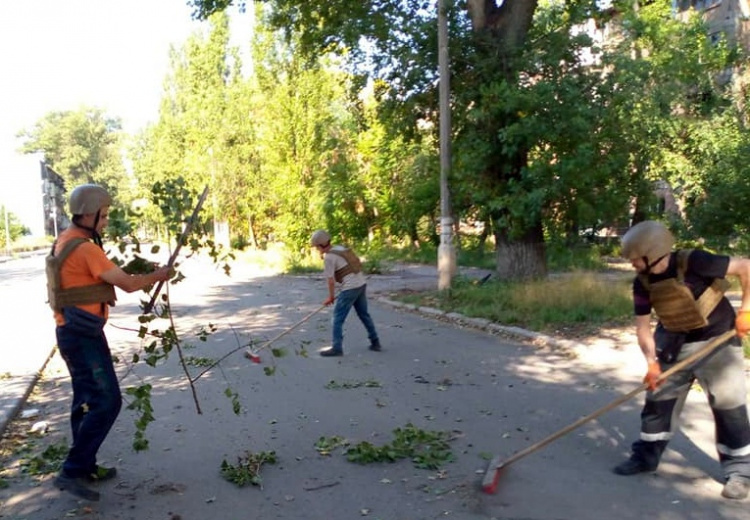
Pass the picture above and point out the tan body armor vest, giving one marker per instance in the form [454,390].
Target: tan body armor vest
[353,264]
[59,297]
[674,303]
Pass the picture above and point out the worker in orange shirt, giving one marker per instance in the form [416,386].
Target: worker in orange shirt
[81,284]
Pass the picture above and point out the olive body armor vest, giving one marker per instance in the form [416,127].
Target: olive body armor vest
[59,297]
[353,264]
[674,303]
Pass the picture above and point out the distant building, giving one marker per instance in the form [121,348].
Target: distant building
[728,19]
[53,201]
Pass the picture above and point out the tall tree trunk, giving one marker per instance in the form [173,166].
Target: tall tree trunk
[414,236]
[486,228]
[522,258]
[253,234]
[504,28]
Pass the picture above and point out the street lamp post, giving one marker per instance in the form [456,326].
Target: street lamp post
[446,250]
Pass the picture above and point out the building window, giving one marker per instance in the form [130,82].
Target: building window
[698,5]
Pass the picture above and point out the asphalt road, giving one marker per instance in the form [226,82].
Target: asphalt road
[28,331]
[494,395]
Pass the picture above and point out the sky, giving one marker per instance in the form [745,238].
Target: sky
[62,54]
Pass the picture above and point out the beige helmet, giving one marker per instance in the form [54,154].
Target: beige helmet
[88,198]
[649,239]
[320,238]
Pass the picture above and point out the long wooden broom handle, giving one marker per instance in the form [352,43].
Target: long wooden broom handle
[183,237]
[695,356]
[254,351]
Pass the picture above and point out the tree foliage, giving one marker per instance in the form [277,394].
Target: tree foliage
[554,133]
[83,146]
[14,230]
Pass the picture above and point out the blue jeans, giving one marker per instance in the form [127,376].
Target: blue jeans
[356,298]
[95,385]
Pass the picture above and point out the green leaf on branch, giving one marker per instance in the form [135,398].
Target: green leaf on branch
[370,383]
[139,265]
[326,445]
[141,403]
[247,469]
[49,461]
[426,449]
[235,398]
[195,361]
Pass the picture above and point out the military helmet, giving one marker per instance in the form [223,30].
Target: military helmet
[649,239]
[88,198]
[320,238]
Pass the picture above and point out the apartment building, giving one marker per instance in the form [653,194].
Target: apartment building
[727,18]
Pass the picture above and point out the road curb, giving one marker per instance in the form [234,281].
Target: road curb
[25,384]
[538,339]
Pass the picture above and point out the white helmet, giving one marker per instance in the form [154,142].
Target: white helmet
[649,239]
[320,238]
[88,198]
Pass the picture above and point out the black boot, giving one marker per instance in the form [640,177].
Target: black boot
[331,352]
[644,458]
[76,486]
[633,467]
[375,346]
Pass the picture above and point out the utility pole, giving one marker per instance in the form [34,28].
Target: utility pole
[54,216]
[7,231]
[446,250]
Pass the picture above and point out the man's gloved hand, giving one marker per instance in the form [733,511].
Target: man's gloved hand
[742,323]
[654,371]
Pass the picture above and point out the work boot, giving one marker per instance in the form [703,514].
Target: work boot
[736,488]
[76,486]
[331,352]
[632,467]
[375,346]
[101,474]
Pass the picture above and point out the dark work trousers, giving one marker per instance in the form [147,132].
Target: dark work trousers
[722,377]
[96,396]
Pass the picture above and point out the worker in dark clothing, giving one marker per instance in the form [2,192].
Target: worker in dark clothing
[685,289]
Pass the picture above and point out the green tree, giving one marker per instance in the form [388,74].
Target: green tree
[14,230]
[399,175]
[306,144]
[716,193]
[83,146]
[401,51]
[544,144]
[666,82]
[188,141]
